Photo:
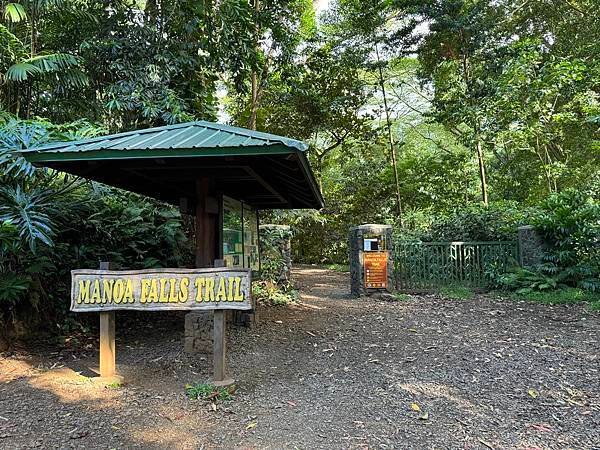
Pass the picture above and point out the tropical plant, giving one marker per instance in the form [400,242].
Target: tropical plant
[569,222]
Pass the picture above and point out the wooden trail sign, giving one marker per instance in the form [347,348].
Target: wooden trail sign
[160,289]
[106,291]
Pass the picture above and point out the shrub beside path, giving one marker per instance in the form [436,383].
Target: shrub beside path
[329,372]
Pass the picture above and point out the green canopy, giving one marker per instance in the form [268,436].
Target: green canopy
[261,169]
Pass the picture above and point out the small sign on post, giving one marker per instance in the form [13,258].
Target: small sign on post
[106,291]
[375,270]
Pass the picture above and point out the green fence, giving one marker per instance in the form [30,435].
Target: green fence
[429,265]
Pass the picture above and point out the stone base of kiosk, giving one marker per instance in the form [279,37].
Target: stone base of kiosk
[199,328]
[199,332]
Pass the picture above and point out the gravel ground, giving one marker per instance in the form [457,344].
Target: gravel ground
[330,372]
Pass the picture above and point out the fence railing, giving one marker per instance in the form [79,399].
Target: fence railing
[429,265]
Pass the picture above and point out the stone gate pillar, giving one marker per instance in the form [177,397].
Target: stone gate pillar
[371,262]
[531,247]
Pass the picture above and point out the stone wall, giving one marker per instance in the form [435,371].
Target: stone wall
[355,245]
[531,247]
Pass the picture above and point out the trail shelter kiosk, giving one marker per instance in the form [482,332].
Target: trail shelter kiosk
[220,174]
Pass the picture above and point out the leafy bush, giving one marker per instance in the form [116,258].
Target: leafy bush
[569,223]
[524,281]
[273,294]
[496,222]
[274,286]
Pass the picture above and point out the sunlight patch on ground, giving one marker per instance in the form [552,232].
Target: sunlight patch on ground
[70,387]
[437,391]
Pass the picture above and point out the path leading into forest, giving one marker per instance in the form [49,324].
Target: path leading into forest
[330,372]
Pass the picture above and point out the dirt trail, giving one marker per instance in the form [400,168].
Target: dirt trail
[330,372]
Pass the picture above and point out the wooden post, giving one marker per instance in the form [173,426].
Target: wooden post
[205,226]
[220,343]
[107,344]
[107,340]
[206,234]
[220,350]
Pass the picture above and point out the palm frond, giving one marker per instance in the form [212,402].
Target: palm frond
[15,136]
[14,12]
[22,71]
[26,211]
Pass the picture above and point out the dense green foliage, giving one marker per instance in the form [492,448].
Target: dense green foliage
[51,223]
[569,223]
[452,120]
[274,285]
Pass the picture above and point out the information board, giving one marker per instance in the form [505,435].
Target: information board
[375,265]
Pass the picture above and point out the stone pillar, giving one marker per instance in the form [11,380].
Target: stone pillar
[356,247]
[531,247]
[275,243]
[198,332]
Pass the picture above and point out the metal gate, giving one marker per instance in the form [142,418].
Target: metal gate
[430,265]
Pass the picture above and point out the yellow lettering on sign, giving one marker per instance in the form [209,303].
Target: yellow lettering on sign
[107,287]
[238,296]
[144,290]
[84,291]
[95,298]
[173,295]
[222,291]
[128,295]
[209,291]
[183,290]
[118,291]
[153,294]
[164,296]
[230,290]
[199,283]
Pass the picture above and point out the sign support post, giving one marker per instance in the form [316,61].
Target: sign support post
[220,349]
[108,355]
[107,344]
[208,290]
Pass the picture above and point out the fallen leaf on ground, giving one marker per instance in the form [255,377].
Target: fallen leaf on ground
[251,425]
[487,444]
[424,416]
[533,393]
[541,427]
[415,407]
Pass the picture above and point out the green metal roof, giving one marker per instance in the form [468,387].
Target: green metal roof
[265,170]
[191,135]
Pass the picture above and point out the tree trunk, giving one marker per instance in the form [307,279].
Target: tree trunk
[390,140]
[254,100]
[482,176]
